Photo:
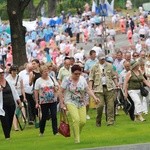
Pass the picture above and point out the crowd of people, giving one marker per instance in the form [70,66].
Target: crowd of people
[59,72]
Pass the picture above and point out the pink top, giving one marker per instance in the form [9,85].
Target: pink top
[9,59]
[42,44]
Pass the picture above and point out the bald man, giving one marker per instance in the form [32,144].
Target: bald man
[24,74]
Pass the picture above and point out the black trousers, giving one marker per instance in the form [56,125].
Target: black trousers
[7,119]
[131,111]
[53,110]
[31,107]
[78,37]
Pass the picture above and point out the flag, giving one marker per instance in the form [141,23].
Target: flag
[110,7]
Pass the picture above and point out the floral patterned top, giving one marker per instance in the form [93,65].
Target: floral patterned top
[46,90]
[74,92]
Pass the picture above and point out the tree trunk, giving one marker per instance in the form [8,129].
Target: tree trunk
[15,11]
[32,11]
[52,8]
[35,11]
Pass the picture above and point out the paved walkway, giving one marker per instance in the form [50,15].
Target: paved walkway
[145,146]
[121,42]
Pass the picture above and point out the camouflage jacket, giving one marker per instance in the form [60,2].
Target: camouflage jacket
[96,75]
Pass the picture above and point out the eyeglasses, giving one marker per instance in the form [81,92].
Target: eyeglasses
[135,55]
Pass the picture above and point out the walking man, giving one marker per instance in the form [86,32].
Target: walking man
[102,80]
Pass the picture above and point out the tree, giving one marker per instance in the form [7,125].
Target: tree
[15,11]
[35,10]
[52,7]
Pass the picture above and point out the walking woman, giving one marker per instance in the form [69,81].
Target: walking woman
[72,94]
[132,83]
[45,89]
[17,81]
[8,99]
[33,76]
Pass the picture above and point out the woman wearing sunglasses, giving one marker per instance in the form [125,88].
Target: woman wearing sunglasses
[72,97]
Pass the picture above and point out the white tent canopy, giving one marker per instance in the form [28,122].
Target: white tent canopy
[146,6]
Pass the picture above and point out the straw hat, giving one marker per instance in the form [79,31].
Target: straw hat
[134,64]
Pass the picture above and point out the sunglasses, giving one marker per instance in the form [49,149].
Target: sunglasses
[135,56]
[1,72]
[77,74]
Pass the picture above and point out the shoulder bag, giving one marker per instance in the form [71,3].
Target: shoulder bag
[143,90]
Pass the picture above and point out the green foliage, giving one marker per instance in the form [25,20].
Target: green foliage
[123,132]
[120,4]
[71,5]
[3,12]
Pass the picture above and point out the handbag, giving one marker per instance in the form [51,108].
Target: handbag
[64,127]
[124,102]
[143,90]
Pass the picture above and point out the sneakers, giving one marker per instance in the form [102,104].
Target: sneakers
[88,117]
[139,118]
[40,134]
[56,134]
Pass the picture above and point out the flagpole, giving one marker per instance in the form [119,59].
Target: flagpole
[104,28]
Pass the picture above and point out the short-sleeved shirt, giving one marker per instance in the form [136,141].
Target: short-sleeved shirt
[16,82]
[63,72]
[89,64]
[46,90]
[74,92]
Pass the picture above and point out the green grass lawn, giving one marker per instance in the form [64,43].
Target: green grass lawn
[123,132]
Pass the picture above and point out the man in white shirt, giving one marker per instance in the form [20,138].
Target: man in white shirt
[24,74]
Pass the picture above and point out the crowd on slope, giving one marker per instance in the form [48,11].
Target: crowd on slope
[58,71]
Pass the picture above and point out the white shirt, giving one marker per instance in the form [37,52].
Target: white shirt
[138,47]
[16,82]
[79,57]
[142,31]
[25,77]
[103,79]
[97,49]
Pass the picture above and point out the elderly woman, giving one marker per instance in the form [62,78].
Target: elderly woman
[17,81]
[45,90]
[8,99]
[72,94]
[133,80]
